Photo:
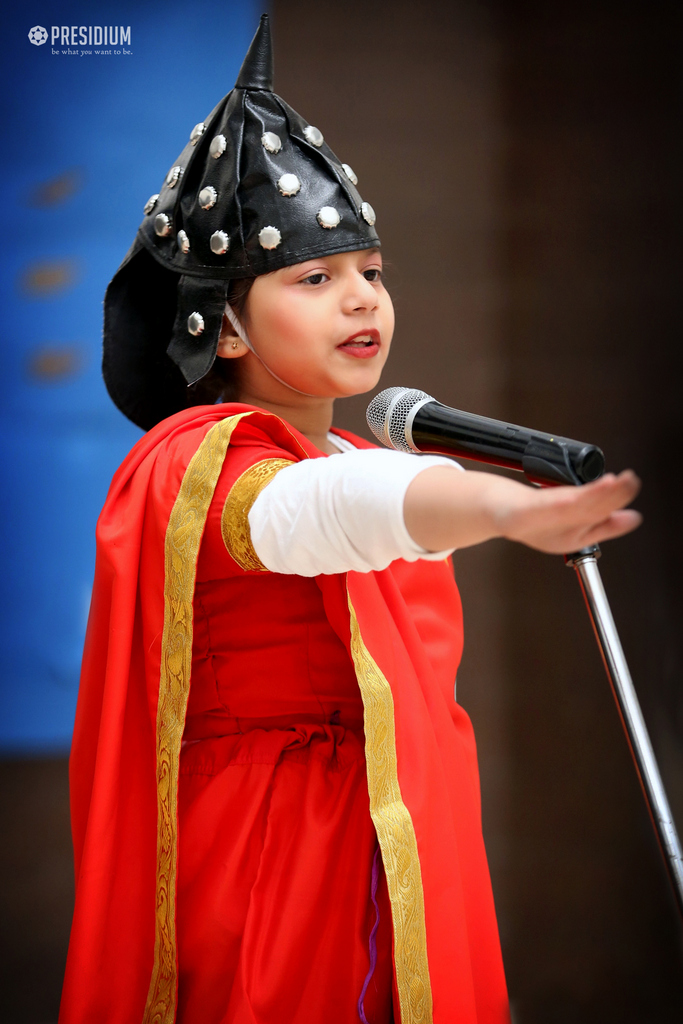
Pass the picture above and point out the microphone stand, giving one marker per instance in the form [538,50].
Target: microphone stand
[586,565]
[412,420]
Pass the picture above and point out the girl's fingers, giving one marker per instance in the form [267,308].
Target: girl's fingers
[594,502]
[618,490]
[622,488]
[569,518]
[618,524]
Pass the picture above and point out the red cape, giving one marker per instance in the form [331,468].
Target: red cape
[420,752]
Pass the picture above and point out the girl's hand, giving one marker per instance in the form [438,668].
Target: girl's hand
[564,519]
[445,508]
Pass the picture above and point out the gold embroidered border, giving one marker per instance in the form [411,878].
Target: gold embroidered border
[235,515]
[181,547]
[396,836]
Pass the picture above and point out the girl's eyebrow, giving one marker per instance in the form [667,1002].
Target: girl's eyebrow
[315,268]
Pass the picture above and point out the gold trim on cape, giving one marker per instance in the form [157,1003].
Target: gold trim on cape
[235,515]
[181,548]
[396,835]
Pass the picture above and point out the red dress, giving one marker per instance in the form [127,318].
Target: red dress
[238,839]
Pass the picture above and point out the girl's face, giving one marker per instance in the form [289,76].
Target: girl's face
[324,326]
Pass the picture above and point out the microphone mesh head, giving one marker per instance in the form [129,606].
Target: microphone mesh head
[388,412]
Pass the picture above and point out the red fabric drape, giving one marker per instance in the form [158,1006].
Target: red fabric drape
[113,769]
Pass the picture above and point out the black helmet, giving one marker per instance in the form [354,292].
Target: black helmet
[255,189]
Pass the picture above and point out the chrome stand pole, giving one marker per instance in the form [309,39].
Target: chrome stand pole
[585,563]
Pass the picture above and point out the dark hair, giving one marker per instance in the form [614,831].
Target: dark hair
[220,383]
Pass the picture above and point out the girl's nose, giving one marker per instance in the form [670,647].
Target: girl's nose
[360,295]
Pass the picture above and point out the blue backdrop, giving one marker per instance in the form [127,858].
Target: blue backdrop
[88,138]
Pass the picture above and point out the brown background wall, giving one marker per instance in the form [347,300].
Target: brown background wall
[591,210]
[525,165]
[524,160]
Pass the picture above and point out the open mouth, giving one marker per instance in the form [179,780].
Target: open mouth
[362,345]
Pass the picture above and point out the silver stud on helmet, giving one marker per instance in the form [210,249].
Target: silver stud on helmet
[271,142]
[162,225]
[314,135]
[368,214]
[328,217]
[173,176]
[219,242]
[269,237]
[195,323]
[289,184]
[197,132]
[350,173]
[218,146]
[207,197]
[151,202]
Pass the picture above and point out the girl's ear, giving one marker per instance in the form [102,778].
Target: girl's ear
[230,345]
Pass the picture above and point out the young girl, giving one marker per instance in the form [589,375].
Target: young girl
[274,794]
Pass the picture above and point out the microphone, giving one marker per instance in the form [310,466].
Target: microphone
[412,421]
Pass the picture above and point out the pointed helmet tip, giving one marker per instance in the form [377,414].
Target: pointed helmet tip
[257,68]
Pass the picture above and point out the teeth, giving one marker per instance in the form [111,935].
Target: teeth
[361,341]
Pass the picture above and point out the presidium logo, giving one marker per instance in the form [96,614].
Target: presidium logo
[80,39]
[38,35]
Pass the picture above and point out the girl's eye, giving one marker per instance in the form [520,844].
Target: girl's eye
[374,274]
[315,278]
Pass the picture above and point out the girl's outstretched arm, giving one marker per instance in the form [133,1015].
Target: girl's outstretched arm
[443,509]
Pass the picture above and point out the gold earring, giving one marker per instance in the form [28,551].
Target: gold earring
[235,344]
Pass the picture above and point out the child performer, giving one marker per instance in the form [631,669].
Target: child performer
[274,794]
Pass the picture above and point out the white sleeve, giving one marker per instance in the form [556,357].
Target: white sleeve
[321,516]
